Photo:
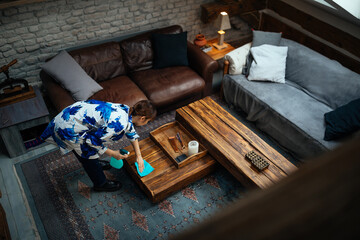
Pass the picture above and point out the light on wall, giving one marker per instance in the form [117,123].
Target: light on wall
[222,23]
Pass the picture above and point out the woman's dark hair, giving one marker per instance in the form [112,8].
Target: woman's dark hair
[144,108]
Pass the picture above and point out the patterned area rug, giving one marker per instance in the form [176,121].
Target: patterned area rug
[65,207]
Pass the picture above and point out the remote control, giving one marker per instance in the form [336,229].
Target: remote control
[257,161]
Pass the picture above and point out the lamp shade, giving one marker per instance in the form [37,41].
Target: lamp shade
[222,22]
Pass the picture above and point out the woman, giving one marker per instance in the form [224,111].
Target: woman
[86,128]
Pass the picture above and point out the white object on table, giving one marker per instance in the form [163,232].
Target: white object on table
[193,147]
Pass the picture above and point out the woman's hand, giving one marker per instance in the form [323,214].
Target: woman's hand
[139,158]
[116,154]
[140,162]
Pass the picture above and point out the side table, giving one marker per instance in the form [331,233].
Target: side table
[218,55]
[20,116]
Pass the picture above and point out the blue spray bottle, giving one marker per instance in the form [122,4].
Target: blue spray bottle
[118,163]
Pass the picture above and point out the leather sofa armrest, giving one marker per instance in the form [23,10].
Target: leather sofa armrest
[59,96]
[203,64]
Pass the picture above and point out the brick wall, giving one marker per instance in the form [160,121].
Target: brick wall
[34,32]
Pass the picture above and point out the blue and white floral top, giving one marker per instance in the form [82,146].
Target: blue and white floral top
[88,126]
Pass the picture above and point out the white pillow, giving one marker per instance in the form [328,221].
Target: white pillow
[269,63]
[237,58]
[69,74]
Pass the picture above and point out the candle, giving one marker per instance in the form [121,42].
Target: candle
[193,148]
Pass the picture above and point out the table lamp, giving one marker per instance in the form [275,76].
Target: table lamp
[222,23]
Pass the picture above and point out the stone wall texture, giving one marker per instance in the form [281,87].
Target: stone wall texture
[31,33]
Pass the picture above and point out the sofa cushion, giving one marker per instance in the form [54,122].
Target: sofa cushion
[120,90]
[69,74]
[324,79]
[101,62]
[260,38]
[170,50]
[343,121]
[269,63]
[292,117]
[138,51]
[237,58]
[168,85]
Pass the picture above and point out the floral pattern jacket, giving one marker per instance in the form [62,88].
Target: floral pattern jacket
[87,127]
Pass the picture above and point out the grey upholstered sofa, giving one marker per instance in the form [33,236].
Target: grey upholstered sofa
[293,113]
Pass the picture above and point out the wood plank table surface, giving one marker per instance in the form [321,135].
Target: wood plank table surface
[228,140]
[166,178]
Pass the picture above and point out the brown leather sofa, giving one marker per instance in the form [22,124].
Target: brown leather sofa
[124,70]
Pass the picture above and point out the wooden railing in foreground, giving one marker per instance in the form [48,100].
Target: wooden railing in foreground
[319,201]
[4,227]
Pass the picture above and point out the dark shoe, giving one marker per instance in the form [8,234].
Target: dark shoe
[105,165]
[109,186]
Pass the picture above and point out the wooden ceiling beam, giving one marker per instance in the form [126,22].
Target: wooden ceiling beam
[320,28]
[248,10]
[272,24]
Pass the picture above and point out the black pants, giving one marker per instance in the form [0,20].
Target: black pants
[93,169]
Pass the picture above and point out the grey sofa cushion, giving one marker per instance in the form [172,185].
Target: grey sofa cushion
[324,79]
[68,73]
[269,63]
[260,38]
[289,115]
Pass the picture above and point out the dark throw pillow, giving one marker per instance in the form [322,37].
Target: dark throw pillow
[342,121]
[170,50]
[260,38]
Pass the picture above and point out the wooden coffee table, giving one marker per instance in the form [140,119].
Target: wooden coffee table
[221,137]
[168,176]
[228,141]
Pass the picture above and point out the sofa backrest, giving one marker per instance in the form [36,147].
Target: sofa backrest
[138,52]
[324,79]
[102,61]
